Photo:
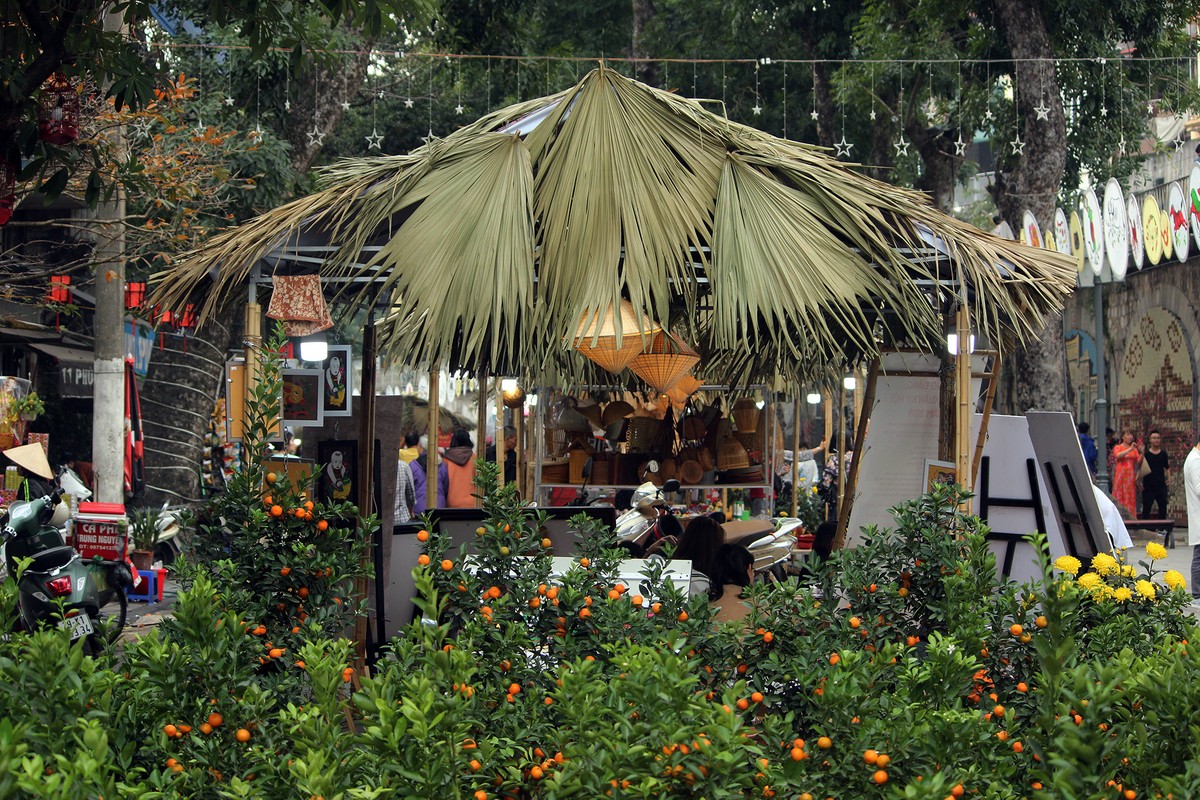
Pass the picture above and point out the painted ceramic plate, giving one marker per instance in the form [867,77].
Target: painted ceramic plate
[1077,240]
[1151,234]
[1193,203]
[1062,232]
[1031,232]
[1136,246]
[1093,230]
[1164,233]
[1177,218]
[1116,229]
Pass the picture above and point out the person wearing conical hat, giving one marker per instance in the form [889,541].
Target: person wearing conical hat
[34,467]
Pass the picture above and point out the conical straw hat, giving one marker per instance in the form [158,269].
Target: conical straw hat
[33,458]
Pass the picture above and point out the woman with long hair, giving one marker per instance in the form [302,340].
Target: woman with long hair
[735,571]
[1126,457]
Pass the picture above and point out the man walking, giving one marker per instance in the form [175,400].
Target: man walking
[1088,445]
[1154,485]
[1191,489]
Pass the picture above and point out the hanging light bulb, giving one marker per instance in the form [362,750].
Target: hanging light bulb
[952,343]
[849,382]
[814,398]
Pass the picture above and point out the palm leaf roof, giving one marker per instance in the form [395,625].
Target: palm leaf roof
[488,247]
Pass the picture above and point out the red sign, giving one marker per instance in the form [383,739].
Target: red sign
[103,538]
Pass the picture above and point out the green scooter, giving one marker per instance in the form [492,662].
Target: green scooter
[59,588]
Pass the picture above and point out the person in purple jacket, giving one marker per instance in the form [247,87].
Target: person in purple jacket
[412,441]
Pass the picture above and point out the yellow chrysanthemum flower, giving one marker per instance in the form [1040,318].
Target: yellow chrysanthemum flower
[1146,589]
[1174,579]
[1068,564]
[1129,571]
[1123,594]
[1088,580]
[1156,551]
[1104,564]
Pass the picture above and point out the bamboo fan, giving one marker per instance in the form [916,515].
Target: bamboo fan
[665,362]
[597,337]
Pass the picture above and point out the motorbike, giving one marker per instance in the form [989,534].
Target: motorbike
[650,517]
[59,588]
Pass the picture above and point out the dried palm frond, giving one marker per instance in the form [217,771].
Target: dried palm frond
[486,248]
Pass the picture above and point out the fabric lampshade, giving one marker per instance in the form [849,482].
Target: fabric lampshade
[597,337]
[665,362]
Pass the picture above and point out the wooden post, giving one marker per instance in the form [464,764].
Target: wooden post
[431,452]
[962,369]
[366,482]
[796,453]
[989,398]
[860,442]
[519,424]
[500,433]
[481,417]
[858,398]
[841,475]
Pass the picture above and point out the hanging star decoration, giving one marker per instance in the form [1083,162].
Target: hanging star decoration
[1018,146]
[1121,146]
[375,140]
[408,102]
[345,105]
[843,147]
[814,115]
[1150,109]
[1042,110]
[458,109]
[1104,111]
[287,105]
[315,137]
[1179,144]
[258,132]
[872,115]
[757,109]
[987,115]
[960,146]
[229,101]
[141,128]
[901,146]
[200,128]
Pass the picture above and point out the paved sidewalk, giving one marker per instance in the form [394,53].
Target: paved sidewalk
[145,616]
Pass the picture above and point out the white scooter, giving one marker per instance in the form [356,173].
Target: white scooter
[641,523]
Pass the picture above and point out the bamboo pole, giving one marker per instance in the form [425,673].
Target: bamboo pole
[962,370]
[858,397]
[366,481]
[481,417]
[860,441]
[431,452]
[796,453]
[519,424]
[981,439]
[500,432]
[841,473]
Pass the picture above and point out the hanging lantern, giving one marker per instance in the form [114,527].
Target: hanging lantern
[597,337]
[665,362]
[684,388]
[299,303]
[8,187]
[135,294]
[187,319]
[60,289]
[58,111]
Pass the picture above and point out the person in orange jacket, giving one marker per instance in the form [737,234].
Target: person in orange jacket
[456,473]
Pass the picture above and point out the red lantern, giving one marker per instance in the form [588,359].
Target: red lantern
[60,288]
[8,186]
[58,111]
[135,294]
[187,319]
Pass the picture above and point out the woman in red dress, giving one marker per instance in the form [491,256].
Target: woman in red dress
[1126,457]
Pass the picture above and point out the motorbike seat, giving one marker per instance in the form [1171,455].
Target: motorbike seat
[51,559]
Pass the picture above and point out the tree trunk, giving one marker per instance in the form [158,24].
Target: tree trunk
[178,396]
[317,106]
[645,71]
[1032,182]
[825,106]
[936,146]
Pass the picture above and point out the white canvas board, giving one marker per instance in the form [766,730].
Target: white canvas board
[1068,483]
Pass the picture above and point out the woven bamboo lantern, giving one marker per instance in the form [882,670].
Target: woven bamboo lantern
[665,362]
[684,388]
[597,337]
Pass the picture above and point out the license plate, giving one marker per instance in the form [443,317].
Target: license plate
[79,625]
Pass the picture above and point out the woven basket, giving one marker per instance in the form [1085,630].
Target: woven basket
[732,455]
[616,410]
[691,473]
[705,457]
[642,433]
[693,429]
[745,415]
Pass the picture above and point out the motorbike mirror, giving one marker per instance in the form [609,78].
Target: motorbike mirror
[652,466]
[670,486]
[587,468]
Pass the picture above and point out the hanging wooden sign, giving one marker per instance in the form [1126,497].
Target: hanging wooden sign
[1093,230]
[1151,230]
[1137,246]
[1116,229]
[1177,218]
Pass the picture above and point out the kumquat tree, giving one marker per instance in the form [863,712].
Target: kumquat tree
[907,669]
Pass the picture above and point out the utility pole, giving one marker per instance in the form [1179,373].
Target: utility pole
[108,401]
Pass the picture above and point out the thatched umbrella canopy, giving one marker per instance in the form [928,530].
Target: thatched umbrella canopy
[489,247]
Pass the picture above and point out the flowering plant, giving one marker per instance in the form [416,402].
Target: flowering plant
[1122,604]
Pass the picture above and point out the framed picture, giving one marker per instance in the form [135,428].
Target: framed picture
[939,472]
[302,397]
[338,460]
[335,382]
